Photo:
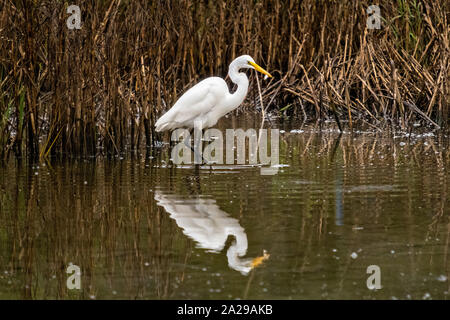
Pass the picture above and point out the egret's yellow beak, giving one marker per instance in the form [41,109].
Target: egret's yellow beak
[258,68]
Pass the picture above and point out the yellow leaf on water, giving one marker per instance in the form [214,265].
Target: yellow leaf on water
[258,260]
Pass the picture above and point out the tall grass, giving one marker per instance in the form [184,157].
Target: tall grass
[100,88]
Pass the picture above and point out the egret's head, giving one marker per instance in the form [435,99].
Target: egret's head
[246,61]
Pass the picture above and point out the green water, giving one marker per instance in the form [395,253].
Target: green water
[139,229]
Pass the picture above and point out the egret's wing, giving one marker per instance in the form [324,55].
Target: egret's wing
[197,101]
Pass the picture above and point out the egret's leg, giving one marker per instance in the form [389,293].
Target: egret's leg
[198,154]
[193,185]
[203,158]
[169,151]
[187,143]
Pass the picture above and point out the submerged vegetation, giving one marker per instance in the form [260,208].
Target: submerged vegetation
[102,87]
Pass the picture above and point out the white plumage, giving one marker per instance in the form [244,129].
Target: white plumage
[210,99]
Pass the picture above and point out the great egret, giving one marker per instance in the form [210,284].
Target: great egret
[202,220]
[210,99]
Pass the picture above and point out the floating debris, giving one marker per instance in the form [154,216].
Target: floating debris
[257,261]
[442,278]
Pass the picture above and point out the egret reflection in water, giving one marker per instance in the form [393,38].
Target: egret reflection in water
[202,220]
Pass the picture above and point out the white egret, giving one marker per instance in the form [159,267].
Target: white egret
[210,99]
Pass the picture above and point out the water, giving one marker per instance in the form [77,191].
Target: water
[139,229]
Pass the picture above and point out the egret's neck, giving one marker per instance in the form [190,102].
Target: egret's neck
[239,78]
[237,250]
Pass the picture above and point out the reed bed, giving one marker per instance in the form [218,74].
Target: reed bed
[100,89]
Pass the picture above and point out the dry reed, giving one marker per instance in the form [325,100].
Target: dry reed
[99,89]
